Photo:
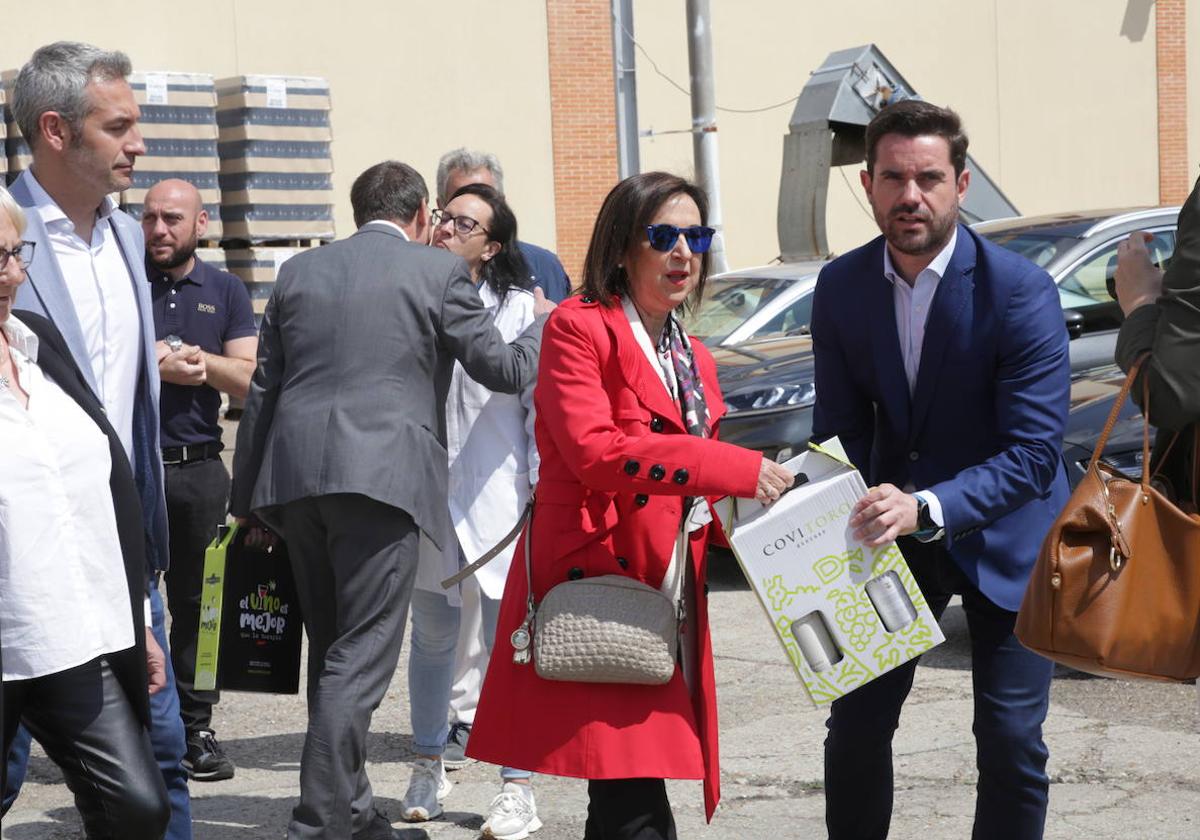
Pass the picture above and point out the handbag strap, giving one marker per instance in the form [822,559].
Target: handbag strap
[1118,404]
[465,573]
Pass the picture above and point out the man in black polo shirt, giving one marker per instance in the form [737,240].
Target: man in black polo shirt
[206,344]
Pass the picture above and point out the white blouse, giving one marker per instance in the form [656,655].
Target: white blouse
[63,594]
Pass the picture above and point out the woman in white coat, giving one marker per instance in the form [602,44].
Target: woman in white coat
[493,469]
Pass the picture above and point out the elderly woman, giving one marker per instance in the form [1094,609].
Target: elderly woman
[493,467]
[628,409]
[79,660]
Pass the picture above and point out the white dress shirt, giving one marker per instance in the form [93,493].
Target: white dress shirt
[912,314]
[105,303]
[63,594]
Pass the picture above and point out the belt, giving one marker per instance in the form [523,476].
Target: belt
[190,454]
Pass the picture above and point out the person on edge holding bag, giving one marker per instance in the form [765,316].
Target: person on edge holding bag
[1162,317]
[627,413]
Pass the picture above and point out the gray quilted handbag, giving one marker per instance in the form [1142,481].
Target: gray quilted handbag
[607,629]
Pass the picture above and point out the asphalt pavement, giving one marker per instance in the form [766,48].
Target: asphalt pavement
[1124,756]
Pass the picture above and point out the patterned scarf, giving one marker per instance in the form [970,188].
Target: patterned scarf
[691,390]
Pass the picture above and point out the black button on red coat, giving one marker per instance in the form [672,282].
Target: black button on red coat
[680,476]
[640,499]
[656,424]
[632,467]
[657,472]
[575,573]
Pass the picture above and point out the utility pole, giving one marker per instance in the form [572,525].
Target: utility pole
[624,61]
[704,121]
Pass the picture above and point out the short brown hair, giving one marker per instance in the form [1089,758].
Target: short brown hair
[626,211]
[914,118]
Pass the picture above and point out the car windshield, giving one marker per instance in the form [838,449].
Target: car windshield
[728,302]
[1038,247]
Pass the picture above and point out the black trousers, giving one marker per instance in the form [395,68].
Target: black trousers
[628,809]
[197,498]
[86,724]
[1012,693]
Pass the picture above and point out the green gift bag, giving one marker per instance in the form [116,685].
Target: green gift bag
[250,623]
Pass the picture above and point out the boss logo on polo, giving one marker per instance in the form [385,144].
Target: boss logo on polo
[207,308]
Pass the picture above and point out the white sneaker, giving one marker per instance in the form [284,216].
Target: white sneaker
[512,815]
[426,790]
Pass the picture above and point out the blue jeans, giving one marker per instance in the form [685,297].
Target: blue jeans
[166,737]
[431,669]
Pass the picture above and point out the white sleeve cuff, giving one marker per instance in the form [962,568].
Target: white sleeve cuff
[935,506]
[146,611]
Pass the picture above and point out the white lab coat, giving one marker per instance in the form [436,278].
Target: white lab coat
[493,464]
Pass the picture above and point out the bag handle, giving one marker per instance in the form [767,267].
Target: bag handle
[1116,411]
[463,574]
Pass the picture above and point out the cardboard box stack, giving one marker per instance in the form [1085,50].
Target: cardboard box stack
[16,150]
[258,267]
[276,163]
[179,124]
[3,134]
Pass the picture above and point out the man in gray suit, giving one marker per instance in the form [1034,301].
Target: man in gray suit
[342,450]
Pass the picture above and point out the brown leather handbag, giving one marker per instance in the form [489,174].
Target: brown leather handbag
[1116,587]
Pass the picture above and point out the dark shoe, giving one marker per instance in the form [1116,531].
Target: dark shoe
[380,828]
[205,760]
[454,756]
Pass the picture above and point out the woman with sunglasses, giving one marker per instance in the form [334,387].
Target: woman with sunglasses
[628,412]
[493,467]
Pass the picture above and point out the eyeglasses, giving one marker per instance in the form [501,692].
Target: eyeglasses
[664,237]
[464,226]
[23,252]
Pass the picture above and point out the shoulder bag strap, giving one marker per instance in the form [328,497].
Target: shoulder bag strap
[463,574]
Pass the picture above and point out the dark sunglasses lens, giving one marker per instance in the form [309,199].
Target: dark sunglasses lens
[699,239]
[662,237]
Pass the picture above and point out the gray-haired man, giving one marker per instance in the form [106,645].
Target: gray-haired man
[78,115]
[463,166]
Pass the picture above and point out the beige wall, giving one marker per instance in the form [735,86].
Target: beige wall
[409,79]
[1059,105]
[1058,95]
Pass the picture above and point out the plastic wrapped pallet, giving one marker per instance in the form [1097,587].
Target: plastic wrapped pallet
[258,268]
[3,133]
[213,256]
[275,158]
[16,150]
[179,124]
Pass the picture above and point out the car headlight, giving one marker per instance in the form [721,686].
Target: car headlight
[772,398]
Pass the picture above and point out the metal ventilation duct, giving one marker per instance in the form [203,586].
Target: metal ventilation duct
[827,129]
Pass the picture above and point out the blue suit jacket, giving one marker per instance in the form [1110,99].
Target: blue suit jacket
[983,428]
[45,292]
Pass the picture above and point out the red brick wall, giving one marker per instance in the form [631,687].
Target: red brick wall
[1170,34]
[583,120]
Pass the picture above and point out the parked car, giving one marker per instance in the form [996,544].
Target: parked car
[768,384]
[753,303]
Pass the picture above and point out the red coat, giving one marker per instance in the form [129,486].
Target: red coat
[604,421]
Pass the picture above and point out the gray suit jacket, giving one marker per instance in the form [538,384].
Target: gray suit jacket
[46,294]
[357,346]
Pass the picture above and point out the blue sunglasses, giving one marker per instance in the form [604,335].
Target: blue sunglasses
[664,237]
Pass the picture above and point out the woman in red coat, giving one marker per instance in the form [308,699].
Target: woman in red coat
[627,414]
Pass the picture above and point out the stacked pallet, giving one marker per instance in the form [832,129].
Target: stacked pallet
[16,150]
[179,125]
[258,266]
[3,134]
[276,164]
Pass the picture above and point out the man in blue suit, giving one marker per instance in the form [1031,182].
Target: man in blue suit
[77,113]
[941,364]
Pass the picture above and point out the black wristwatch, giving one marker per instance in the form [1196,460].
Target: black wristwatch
[927,529]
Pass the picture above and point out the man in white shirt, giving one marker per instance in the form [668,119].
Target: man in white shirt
[77,112]
[941,365]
